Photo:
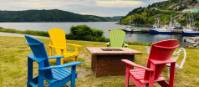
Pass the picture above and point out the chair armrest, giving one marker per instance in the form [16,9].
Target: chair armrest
[130,63]
[108,44]
[32,57]
[61,66]
[56,47]
[75,45]
[125,45]
[55,57]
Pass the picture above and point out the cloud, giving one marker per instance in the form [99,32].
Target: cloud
[119,3]
[92,7]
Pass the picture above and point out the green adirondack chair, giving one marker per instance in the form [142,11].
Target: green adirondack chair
[117,37]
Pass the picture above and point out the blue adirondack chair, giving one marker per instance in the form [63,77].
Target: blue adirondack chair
[55,76]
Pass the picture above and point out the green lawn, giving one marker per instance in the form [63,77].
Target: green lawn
[13,65]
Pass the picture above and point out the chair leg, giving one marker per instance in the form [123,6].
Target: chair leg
[30,71]
[152,74]
[62,61]
[172,73]
[40,76]
[127,80]
[40,81]
[127,75]
[73,84]
[73,78]
[58,61]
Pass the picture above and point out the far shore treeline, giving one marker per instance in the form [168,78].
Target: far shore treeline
[52,15]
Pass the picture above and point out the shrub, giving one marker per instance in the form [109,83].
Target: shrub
[83,32]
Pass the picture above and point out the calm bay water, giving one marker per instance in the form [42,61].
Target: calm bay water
[105,26]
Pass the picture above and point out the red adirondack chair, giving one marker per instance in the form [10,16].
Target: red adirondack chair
[160,55]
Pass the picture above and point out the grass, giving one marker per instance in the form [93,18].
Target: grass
[13,65]
[31,32]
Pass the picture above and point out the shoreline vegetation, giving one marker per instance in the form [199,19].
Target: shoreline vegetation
[31,32]
[79,32]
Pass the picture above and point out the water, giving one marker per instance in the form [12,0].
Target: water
[45,26]
[105,26]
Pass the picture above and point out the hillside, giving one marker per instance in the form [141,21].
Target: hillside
[146,16]
[54,15]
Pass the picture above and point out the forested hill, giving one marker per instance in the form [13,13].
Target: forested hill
[54,15]
[146,16]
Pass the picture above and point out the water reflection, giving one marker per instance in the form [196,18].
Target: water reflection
[149,38]
[105,26]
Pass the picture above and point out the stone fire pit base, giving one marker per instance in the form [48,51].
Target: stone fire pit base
[109,65]
[107,61]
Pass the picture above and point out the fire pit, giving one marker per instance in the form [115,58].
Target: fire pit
[107,61]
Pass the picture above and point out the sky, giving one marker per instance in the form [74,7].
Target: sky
[91,7]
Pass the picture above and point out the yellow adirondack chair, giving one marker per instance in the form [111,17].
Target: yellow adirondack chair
[58,45]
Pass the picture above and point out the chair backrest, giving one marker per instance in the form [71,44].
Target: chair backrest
[39,53]
[161,51]
[58,39]
[117,37]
